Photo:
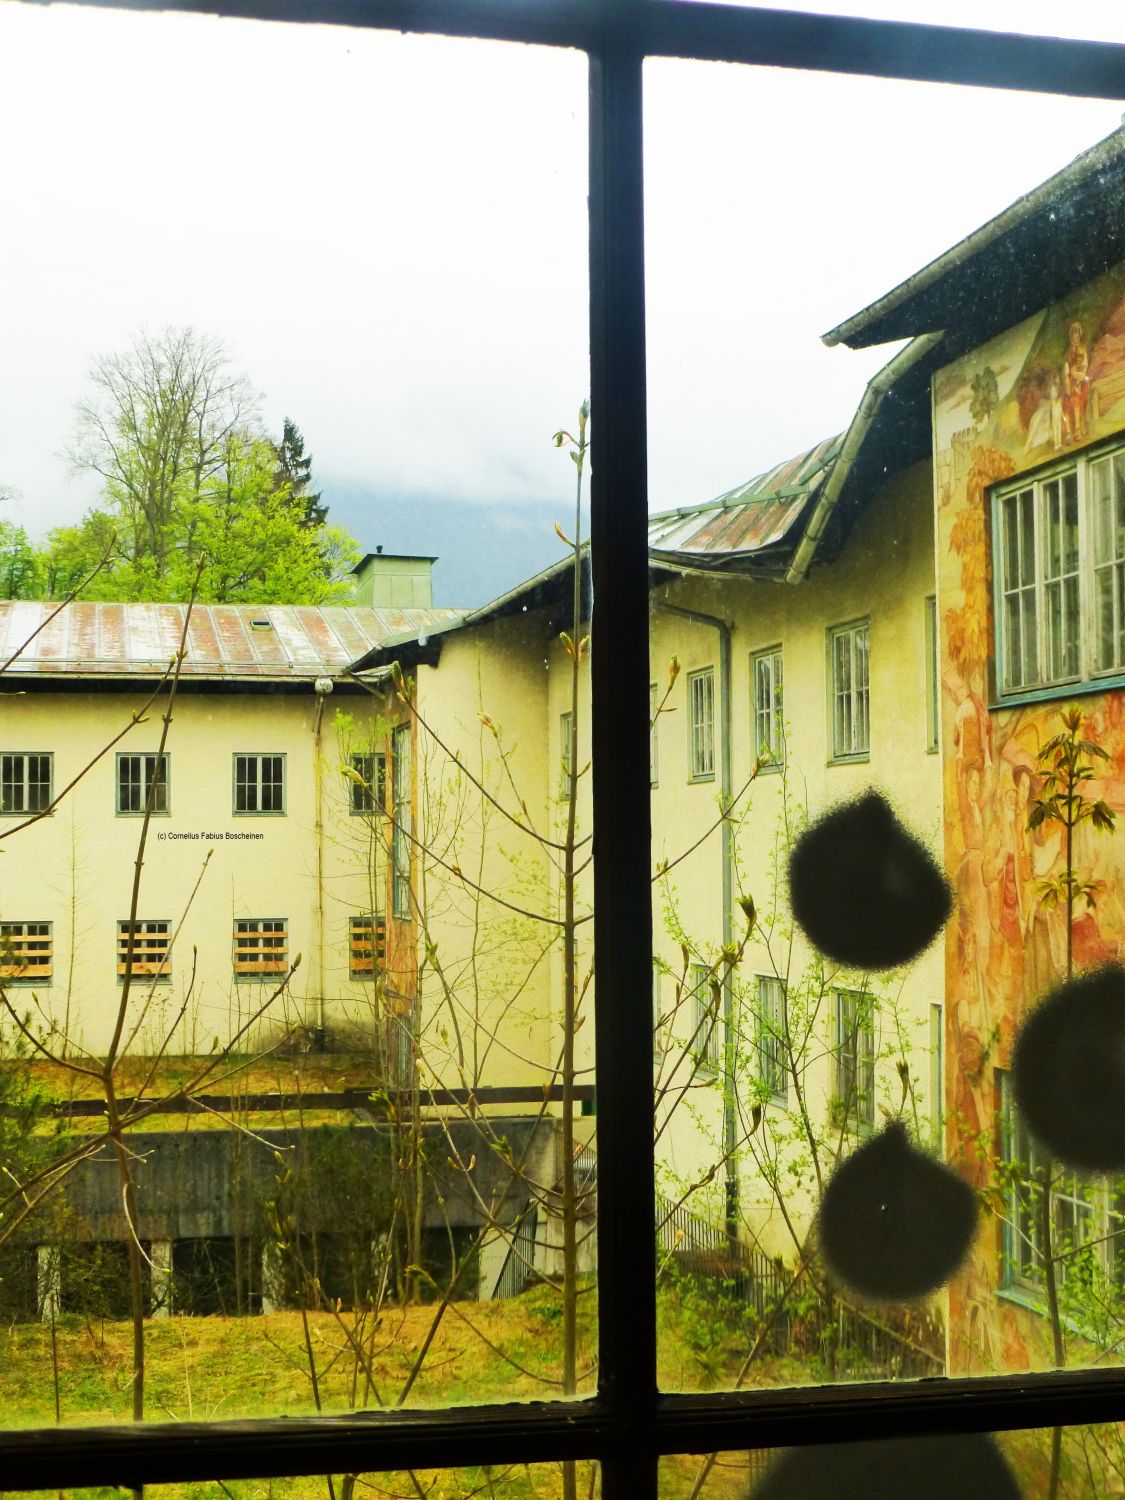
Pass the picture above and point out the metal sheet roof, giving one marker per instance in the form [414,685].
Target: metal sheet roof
[745,520]
[224,642]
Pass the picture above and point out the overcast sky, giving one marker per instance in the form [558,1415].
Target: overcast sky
[390,235]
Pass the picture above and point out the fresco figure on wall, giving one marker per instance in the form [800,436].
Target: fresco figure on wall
[1076,384]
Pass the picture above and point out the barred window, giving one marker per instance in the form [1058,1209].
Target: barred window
[26,952]
[259,783]
[701,724]
[367,945]
[144,950]
[136,774]
[368,794]
[261,947]
[25,782]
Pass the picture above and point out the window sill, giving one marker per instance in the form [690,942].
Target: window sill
[1052,694]
[1035,1302]
[858,759]
[236,814]
[703,776]
[120,813]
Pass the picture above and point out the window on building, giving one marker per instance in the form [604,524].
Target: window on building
[1085,1217]
[367,945]
[773,1060]
[701,724]
[26,952]
[25,782]
[854,1089]
[769,731]
[653,716]
[937,1077]
[706,1022]
[261,947]
[1060,579]
[144,950]
[567,750]
[136,776]
[401,836]
[933,680]
[259,783]
[850,688]
[368,794]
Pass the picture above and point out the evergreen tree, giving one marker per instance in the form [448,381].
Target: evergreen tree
[294,473]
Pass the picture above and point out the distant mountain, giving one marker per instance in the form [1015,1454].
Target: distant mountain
[482,549]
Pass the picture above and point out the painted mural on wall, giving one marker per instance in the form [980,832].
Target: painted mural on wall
[1045,389]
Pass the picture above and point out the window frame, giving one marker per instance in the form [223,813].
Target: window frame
[774,752]
[144,927]
[402,828]
[770,1031]
[26,756]
[701,731]
[260,929]
[166,781]
[931,648]
[1087,675]
[850,629]
[372,794]
[20,929]
[706,1021]
[360,968]
[855,1108]
[258,756]
[625,1426]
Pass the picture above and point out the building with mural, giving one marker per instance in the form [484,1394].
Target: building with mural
[1028,381]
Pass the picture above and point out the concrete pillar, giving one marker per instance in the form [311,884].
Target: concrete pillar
[160,1254]
[47,1282]
[492,1255]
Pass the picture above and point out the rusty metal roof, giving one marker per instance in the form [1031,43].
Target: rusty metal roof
[267,642]
[743,523]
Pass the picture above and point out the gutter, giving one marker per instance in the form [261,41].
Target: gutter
[854,438]
[726,842]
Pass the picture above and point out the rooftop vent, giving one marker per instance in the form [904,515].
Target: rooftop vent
[261,624]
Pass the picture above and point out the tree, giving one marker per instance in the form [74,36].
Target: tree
[293,474]
[155,426]
[191,481]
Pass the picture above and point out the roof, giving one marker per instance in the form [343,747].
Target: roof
[737,527]
[1061,234]
[392,557]
[294,642]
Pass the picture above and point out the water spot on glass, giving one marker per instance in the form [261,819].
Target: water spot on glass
[864,890]
[967,1467]
[894,1223]
[1068,1070]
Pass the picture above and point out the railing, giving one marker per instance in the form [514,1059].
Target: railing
[845,1338]
[518,1269]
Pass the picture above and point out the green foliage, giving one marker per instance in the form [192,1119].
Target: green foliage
[189,481]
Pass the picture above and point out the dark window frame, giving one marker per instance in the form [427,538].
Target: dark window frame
[164,780]
[259,757]
[627,1425]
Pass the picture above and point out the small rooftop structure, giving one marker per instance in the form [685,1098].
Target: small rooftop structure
[231,643]
[400,580]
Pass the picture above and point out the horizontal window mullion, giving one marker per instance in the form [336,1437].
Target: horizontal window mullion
[158,1453]
[725,33]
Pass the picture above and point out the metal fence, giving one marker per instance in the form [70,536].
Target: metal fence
[796,1321]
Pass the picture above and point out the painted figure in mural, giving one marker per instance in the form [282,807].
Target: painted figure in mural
[1076,384]
[1042,401]
[972,899]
